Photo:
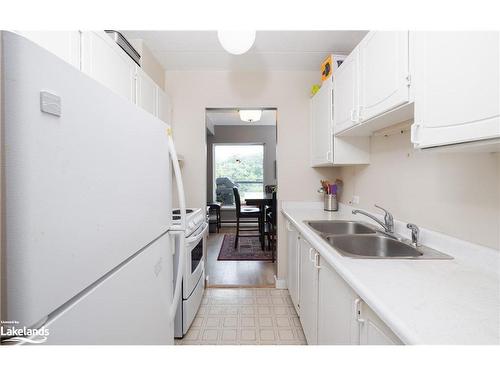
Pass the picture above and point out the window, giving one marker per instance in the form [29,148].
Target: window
[240,165]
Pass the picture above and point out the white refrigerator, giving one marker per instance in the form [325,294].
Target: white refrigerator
[87,208]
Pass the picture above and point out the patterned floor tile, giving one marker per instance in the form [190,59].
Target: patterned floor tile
[243,316]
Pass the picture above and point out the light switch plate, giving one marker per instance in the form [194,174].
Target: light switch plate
[50,103]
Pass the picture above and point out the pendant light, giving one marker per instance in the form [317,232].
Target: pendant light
[236,42]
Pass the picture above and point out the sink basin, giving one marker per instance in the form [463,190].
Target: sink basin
[372,246]
[335,227]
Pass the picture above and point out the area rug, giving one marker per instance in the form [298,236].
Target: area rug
[248,249]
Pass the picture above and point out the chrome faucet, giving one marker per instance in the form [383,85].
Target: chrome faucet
[388,223]
[414,234]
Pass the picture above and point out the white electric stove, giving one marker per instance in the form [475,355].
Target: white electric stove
[193,279]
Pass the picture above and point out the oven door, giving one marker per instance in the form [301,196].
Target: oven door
[195,250]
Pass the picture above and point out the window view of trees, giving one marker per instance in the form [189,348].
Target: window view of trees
[241,166]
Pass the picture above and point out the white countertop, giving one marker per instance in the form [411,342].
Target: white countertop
[423,301]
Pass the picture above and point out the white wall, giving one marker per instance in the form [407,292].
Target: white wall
[192,92]
[453,193]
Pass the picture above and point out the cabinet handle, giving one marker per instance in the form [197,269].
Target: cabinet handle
[316,260]
[353,115]
[413,133]
[329,156]
[357,310]
[310,257]
[360,111]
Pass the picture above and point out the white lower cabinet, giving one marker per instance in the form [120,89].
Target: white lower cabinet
[331,313]
[308,291]
[373,331]
[293,264]
[337,323]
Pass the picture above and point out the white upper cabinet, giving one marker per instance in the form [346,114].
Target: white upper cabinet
[372,88]
[456,87]
[327,149]
[293,265]
[384,75]
[146,93]
[103,60]
[64,44]
[321,126]
[164,106]
[346,93]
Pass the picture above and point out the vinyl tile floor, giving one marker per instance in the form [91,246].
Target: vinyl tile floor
[245,316]
[235,273]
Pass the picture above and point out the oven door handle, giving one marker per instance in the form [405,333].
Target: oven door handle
[196,238]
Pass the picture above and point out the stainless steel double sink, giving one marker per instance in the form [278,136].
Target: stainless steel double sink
[361,240]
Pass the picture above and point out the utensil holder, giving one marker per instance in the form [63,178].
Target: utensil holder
[331,203]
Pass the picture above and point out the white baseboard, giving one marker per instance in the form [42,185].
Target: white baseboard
[279,283]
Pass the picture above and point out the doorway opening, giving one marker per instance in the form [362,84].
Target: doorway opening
[241,196]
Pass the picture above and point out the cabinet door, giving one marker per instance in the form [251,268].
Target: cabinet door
[384,72]
[345,94]
[164,106]
[103,60]
[146,92]
[456,87]
[308,292]
[373,330]
[64,44]
[321,126]
[293,265]
[337,322]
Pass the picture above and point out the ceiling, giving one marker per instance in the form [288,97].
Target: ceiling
[231,117]
[272,50]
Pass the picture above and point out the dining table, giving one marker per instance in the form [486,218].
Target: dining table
[261,200]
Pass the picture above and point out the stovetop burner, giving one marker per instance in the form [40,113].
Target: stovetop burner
[178,212]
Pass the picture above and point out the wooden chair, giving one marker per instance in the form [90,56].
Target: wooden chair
[246,213]
[271,221]
[214,207]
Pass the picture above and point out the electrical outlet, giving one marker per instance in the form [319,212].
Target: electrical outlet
[355,199]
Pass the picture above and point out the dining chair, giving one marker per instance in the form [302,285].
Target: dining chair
[247,213]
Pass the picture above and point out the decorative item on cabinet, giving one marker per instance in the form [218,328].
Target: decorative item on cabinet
[330,65]
[314,89]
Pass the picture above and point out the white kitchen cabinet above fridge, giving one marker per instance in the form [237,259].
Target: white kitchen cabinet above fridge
[97,55]
[103,60]
[64,44]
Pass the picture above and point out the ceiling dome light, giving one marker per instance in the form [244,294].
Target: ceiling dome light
[250,115]
[236,42]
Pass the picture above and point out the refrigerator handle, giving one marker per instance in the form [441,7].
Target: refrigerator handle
[178,231]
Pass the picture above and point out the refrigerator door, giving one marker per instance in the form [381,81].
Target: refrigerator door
[130,307]
[87,180]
